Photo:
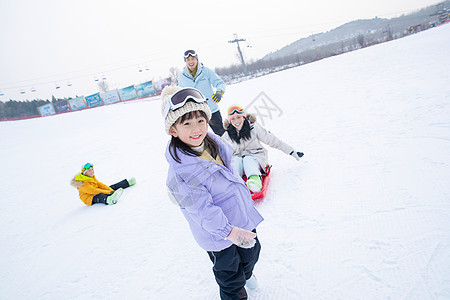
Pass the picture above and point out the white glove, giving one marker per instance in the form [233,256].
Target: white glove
[296,155]
[242,238]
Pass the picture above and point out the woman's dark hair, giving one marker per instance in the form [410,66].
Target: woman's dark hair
[177,144]
[243,134]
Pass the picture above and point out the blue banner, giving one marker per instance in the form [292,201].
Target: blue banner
[128,93]
[145,89]
[77,103]
[62,106]
[110,97]
[93,100]
[46,110]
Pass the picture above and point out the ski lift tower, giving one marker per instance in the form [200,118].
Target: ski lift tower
[237,40]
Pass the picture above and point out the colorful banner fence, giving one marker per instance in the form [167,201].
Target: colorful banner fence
[77,103]
[131,92]
[46,110]
[160,84]
[62,106]
[128,93]
[93,100]
[111,97]
[145,89]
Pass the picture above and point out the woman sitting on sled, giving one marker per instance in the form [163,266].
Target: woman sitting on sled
[249,155]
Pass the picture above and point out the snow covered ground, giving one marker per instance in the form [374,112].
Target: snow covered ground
[364,215]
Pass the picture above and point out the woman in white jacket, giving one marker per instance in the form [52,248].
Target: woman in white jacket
[249,155]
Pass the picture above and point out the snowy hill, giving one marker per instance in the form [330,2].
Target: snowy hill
[364,215]
[375,29]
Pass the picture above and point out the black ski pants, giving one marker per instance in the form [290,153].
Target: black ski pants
[232,267]
[101,198]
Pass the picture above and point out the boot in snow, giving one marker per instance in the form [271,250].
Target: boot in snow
[111,200]
[252,282]
[254,183]
[131,181]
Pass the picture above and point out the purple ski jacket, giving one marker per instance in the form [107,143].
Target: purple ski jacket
[212,198]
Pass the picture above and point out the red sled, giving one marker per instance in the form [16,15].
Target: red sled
[265,176]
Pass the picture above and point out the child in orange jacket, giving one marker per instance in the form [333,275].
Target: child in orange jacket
[92,191]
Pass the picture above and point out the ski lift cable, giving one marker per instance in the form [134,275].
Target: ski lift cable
[152,57]
[71,78]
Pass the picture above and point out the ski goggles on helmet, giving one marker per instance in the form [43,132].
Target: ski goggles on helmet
[87,166]
[235,109]
[181,97]
[190,53]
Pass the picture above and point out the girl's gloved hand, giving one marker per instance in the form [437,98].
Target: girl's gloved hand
[296,154]
[242,238]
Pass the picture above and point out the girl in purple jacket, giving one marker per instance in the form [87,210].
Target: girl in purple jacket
[214,200]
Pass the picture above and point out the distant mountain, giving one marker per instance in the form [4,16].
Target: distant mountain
[372,30]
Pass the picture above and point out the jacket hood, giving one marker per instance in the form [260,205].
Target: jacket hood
[77,180]
[250,117]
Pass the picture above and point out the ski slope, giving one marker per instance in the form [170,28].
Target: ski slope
[365,214]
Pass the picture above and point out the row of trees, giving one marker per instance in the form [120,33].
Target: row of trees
[13,109]
[265,66]
[20,109]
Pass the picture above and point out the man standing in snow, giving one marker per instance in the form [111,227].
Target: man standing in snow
[196,75]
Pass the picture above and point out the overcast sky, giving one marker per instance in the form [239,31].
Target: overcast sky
[49,43]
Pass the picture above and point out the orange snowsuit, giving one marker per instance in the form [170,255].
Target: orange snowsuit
[88,187]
